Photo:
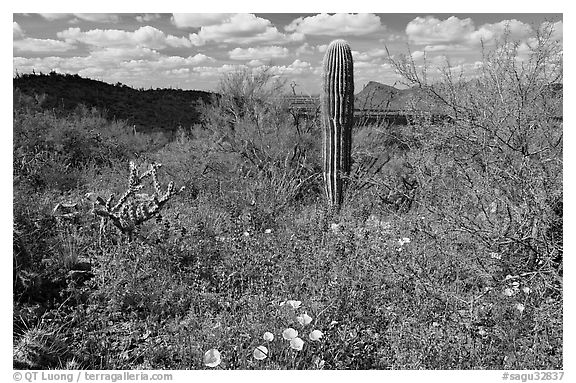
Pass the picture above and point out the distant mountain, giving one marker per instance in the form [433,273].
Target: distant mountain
[377,96]
[148,109]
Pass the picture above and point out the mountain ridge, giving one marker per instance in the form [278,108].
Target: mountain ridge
[147,109]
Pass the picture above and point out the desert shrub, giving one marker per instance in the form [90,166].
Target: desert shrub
[51,151]
[490,186]
[248,139]
[495,172]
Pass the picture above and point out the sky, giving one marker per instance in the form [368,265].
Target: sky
[194,50]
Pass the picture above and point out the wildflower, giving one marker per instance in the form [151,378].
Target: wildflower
[481,332]
[289,333]
[403,241]
[316,335]
[292,303]
[268,336]
[435,324]
[526,290]
[520,307]
[335,227]
[297,344]
[268,231]
[246,234]
[508,292]
[495,255]
[212,358]
[333,323]
[260,353]
[304,319]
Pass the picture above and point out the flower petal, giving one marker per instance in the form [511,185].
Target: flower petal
[289,333]
[304,319]
[260,352]
[212,358]
[268,336]
[316,335]
[297,344]
[294,304]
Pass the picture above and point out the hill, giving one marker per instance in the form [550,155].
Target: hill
[377,96]
[148,109]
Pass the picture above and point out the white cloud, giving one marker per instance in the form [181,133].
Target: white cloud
[137,66]
[94,17]
[98,17]
[180,72]
[259,53]
[114,54]
[430,30]
[146,36]
[557,30]
[372,54]
[454,34]
[217,71]
[18,33]
[242,28]
[297,67]
[517,30]
[340,24]
[55,16]
[197,20]
[418,55]
[446,48]
[257,63]
[147,17]
[304,49]
[41,45]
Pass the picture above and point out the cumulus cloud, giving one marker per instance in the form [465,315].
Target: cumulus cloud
[376,53]
[146,36]
[197,20]
[136,66]
[94,17]
[98,17]
[257,63]
[147,17]
[242,28]
[259,53]
[454,33]
[340,24]
[297,67]
[217,71]
[55,16]
[115,54]
[304,49]
[417,55]
[555,28]
[517,30]
[18,33]
[430,30]
[33,45]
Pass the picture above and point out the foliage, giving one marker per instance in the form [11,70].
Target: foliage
[148,110]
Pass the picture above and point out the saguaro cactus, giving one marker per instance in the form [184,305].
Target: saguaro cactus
[337,101]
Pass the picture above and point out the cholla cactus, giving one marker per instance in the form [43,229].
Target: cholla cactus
[127,214]
[337,102]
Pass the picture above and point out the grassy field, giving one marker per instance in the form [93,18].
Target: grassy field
[447,253]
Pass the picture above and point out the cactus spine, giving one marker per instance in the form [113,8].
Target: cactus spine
[337,101]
